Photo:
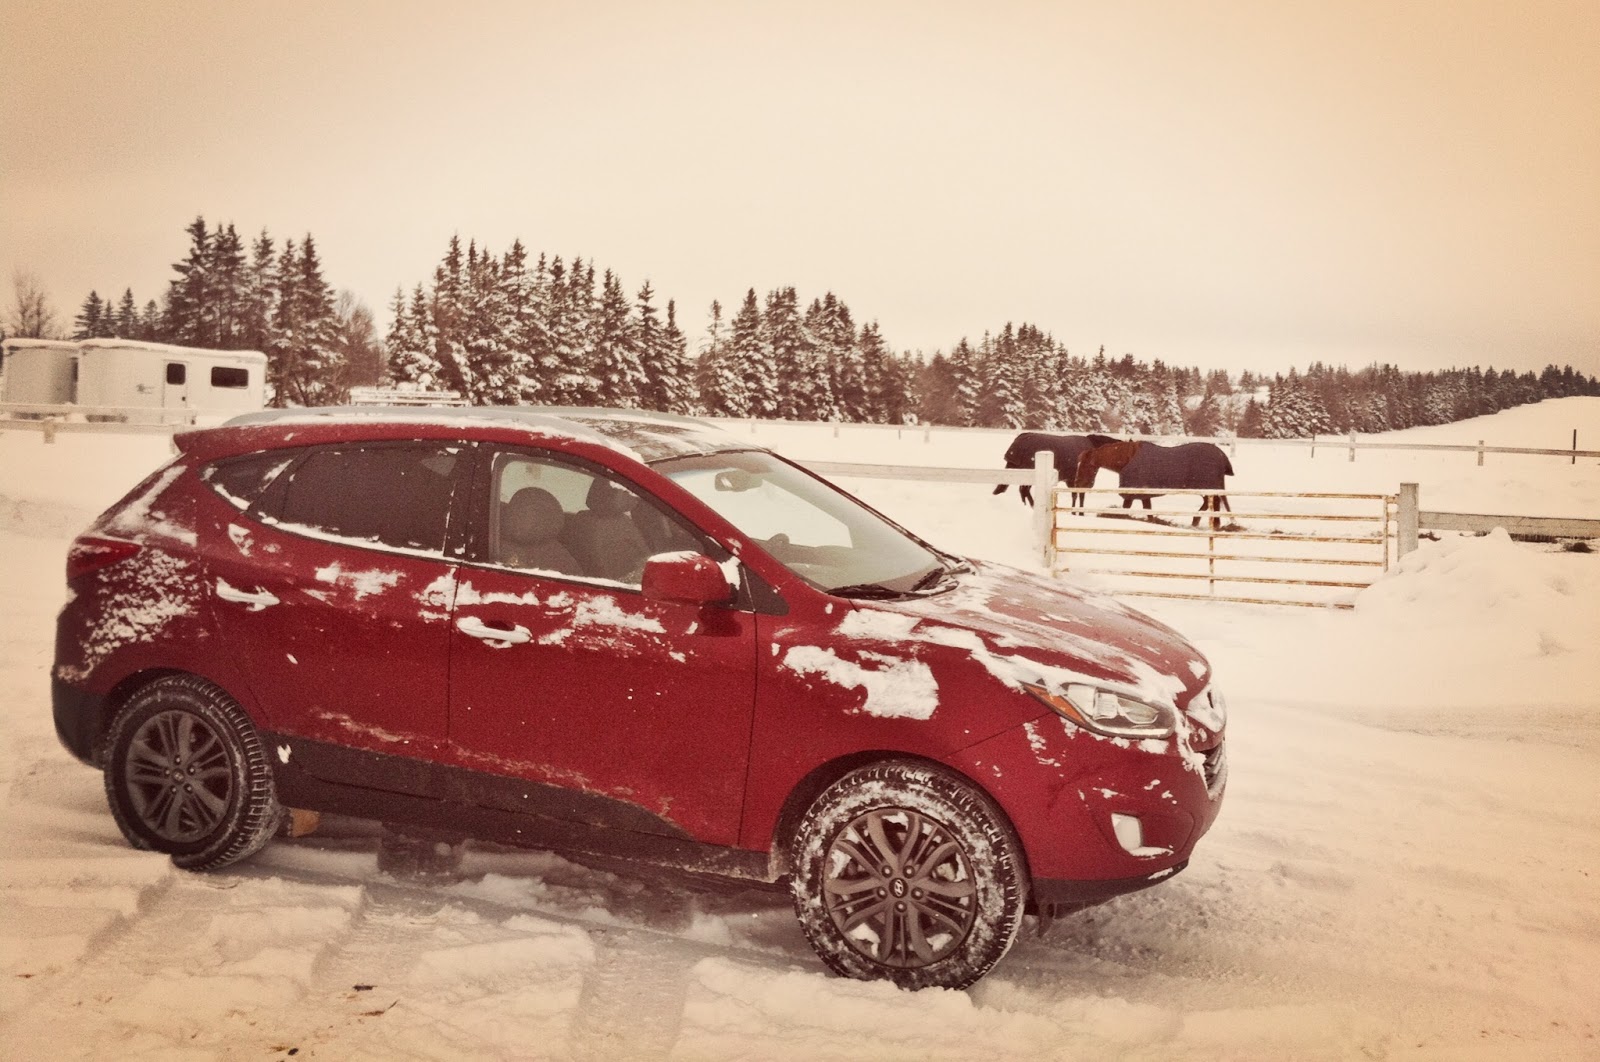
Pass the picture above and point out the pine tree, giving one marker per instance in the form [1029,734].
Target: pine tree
[618,367]
[755,393]
[150,323]
[410,356]
[649,344]
[305,367]
[523,321]
[90,322]
[488,360]
[260,296]
[717,384]
[675,380]
[967,372]
[189,294]
[225,316]
[448,318]
[127,326]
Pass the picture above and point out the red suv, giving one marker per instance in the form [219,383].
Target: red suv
[630,635]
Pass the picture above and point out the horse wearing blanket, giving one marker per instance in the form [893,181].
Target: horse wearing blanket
[1064,450]
[1196,466]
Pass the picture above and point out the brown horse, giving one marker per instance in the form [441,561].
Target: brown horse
[1193,466]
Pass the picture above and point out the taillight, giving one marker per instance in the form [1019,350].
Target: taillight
[90,553]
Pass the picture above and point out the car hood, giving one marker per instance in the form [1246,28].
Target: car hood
[1027,628]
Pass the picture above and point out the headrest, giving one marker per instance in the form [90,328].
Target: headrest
[607,499]
[532,515]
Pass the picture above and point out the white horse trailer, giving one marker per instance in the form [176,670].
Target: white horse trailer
[126,376]
[39,372]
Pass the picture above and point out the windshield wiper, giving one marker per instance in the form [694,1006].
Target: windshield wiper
[930,578]
[873,590]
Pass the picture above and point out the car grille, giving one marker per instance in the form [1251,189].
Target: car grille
[1214,768]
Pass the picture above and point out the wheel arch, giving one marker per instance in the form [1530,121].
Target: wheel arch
[124,690]
[815,782]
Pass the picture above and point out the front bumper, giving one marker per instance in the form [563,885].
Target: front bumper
[1098,816]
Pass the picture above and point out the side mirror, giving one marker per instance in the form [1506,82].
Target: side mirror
[686,579]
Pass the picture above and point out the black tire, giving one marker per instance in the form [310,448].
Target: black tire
[186,774]
[867,906]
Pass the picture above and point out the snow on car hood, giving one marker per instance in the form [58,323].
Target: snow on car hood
[1027,628]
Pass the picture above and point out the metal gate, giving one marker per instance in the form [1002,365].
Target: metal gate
[1279,548]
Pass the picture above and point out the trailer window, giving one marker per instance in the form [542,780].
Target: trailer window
[177,372]
[222,377]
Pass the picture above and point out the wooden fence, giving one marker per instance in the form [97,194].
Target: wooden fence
[1273,548]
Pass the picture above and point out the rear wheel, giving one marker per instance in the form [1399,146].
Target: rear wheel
[904,871]
[186,774]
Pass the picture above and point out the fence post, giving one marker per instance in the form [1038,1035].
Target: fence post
[1480,453]
[1352,446]
[1574,445]
[1044,506]
[50,429]
[927,433]
[1313,446]
[1406,520]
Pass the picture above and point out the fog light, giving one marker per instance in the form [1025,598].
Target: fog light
[1129,831]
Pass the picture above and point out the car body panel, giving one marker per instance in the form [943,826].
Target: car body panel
[612,693]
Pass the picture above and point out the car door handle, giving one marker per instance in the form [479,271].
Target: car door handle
[476,628]
[255,601]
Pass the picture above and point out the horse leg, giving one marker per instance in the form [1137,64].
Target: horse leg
[1026,490]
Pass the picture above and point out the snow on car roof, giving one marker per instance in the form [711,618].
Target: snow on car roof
[647,435]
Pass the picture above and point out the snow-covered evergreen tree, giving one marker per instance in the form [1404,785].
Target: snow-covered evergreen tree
[91,320]
[717,383]
[305,367]
[127,320]
[188,294]
[757,390]
[618,366]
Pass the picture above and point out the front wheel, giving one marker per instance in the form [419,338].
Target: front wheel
[186,774]
[906,872]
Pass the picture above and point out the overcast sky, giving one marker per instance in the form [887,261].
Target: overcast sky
[1231,183]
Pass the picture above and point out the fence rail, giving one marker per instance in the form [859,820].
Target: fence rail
[1147,556]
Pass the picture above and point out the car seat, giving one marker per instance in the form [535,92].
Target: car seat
[530,526]
[604,536]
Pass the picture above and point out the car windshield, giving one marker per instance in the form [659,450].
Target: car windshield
[822,535]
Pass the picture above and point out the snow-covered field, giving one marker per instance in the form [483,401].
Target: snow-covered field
[1407,865]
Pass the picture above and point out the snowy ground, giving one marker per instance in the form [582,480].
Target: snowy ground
[1407,865]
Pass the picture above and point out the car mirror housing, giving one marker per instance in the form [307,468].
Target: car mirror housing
[686,579]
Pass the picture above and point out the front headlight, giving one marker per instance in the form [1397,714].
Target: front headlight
[1106,712]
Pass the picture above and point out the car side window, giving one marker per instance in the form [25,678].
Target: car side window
[242,480]
[546,515]
[384,495]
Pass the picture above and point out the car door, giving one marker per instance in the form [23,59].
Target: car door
[630,713]
[333,590]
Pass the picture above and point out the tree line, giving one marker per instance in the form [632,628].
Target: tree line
[511,328]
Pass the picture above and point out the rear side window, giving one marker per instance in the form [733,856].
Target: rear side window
[242,480]
[395,496]
[221,376]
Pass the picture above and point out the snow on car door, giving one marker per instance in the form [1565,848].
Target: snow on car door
[563,673]
[333,591]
